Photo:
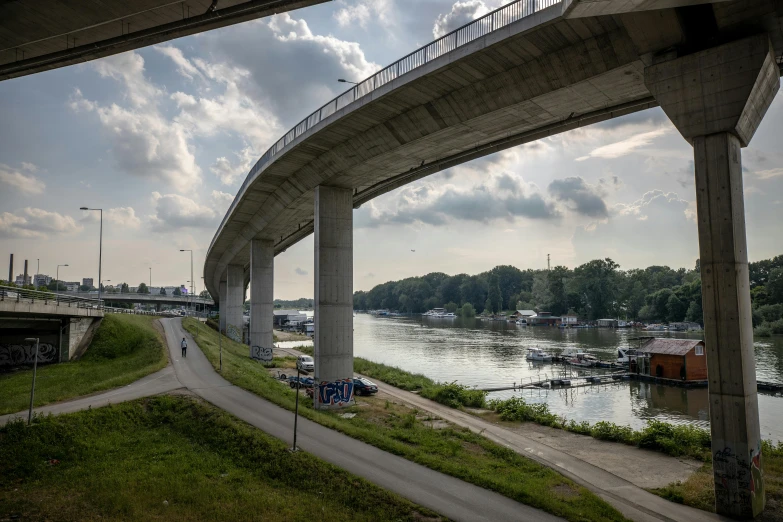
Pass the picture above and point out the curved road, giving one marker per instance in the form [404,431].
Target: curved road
[446,495]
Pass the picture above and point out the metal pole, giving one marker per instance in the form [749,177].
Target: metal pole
[100,258]
[37,270]
[220,347]
[296,409]
[32,390]
[192,285]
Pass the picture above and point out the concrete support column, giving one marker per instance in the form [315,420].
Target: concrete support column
[222,306]
[333,297]
[262,279]
[235,300]
[717,98]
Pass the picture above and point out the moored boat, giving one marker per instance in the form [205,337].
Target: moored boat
[538,355]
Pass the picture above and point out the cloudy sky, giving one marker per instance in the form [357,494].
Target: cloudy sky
[162,138]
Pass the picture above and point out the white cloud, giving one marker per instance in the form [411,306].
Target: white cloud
[35,223]
[122,216]
[624,147]
[461,13]
[221,201]
[349,54]
[25,183]
[769,174]
[229,172]
[173,211]
[128,68]
[184,67]
[362,12]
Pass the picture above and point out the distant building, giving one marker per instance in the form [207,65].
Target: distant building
[72,286]
[680,359]
[287,317]
[20,280]
[523,314]
[42,280]
[543,319]
[87,281]
[685,326]
[569,320]
[607,323]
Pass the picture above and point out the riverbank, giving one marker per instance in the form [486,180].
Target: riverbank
[175,458]
[412,434]
[125,349]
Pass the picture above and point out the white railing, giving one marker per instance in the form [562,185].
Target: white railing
[21,295]
[474,30]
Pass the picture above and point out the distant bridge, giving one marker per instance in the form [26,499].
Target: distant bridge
[158,300]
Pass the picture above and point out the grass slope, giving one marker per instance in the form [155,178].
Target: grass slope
[122,462]
[399,430]
[125,348]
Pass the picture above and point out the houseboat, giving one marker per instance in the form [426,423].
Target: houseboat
[538,355]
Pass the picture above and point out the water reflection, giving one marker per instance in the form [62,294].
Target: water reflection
[492,354]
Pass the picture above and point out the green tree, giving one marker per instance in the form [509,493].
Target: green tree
[124,289]
[775,286]
[495,297]
[597,282]
[162,291]
[675,309]
[142,289]
[488,306]
[695,313]
[542,297]
[556,281]
[177,292]
[468,311]
[451,306]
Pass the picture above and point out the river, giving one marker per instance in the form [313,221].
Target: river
[489,354]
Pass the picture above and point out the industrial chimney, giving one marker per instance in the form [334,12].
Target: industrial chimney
[11,270]
[24,279]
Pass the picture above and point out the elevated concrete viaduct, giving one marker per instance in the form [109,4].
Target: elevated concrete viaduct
[523,72]
[46,34]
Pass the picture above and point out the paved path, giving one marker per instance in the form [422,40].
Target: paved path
[441,493]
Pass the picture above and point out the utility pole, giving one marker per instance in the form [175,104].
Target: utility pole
[548,267]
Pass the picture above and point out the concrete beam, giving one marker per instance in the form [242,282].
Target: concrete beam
[235,300]
[585,8]
[725,89]
[262,278]
[333,297]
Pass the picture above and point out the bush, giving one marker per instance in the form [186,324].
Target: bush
[770,313]
[467,310]
[455,395]
[762,331]
[776,326]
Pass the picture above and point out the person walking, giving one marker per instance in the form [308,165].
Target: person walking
[184,345]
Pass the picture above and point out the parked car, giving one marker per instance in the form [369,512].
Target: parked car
[305,363]
[364,387]
[304,382]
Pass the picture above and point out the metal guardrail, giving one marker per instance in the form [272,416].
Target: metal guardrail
[474,30]
[11,293]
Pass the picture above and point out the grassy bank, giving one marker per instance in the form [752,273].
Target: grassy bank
[699,490]
[124,349]
[173,458]
[400,430]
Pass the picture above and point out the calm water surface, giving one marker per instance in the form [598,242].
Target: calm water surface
[492,354]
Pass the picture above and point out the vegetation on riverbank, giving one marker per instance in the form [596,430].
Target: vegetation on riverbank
[675,440]
[175,458]
[125,348]
[411,434]
[699,490]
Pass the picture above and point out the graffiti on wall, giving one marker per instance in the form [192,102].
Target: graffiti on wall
[739,483]
[336,393]
[22,354]
[234,333]
[261,354]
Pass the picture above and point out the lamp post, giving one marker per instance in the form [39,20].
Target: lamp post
[150,278]
[191,266]
[35,370]
[57,285]
[100,251]
[341,80]
[37,271]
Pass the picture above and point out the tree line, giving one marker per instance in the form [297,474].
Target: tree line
[594,290]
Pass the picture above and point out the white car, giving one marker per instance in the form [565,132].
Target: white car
[305,363]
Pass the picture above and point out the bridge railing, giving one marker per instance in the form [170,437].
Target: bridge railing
[21,295]
[497,19]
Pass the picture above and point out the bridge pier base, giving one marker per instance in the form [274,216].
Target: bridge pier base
[222,309]
[262,278]
[235,300]
[716,98]
[333,297]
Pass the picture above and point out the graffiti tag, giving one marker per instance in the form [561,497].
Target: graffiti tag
[18,354]
[337,393]
[234,333]
[261,354]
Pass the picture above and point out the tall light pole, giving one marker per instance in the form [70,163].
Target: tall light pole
[191,267]
[100,251]
[57,286]
[37,271]
[35,370]
[150,278]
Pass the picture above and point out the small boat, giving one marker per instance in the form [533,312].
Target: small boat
[577,357]
[624,355]
[538,355]
[450,315]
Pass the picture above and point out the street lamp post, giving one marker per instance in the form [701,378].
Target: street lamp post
[150,278]
[37,271]
[57,285]
[191,267]
[35,370]
[100,252]
[341,80]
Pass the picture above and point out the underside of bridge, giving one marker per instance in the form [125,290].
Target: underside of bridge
[40,35]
